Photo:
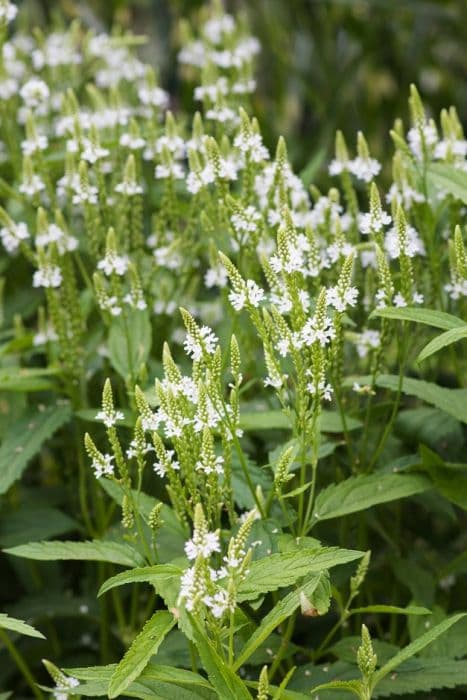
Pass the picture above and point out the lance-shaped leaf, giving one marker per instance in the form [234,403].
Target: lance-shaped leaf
[452,401]
[24,440]
[228,685]
[286,568]
[15,625]
[144,646]
[447,178]
[148,574]
[95,550]
[442,341]
[417,645]
[361,492]
[428,317]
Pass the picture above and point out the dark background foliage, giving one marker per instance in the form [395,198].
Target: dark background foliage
[325,64]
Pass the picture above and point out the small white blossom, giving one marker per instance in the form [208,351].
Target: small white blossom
[207,342]
[11,236]
[109,417]
[102,465]
[47,276]
[202,544]
[113,263]
[251,294]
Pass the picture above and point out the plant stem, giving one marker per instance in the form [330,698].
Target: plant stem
[22,665]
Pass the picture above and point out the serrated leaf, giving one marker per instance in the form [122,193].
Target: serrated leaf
[282,610]
[430,675]
[442,341]
[24,440]
[416,646]
[228,685]
[361,492]
[138,655]
[452,401]
[91,550]
[285,568]
[429,317]
[15,625]
[447,178]
[130,341]
[149,574]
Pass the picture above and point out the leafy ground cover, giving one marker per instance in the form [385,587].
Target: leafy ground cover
[233,406]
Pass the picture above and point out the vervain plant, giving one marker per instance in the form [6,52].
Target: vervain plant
[217,379]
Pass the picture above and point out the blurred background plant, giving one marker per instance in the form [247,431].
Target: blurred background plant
[324,64]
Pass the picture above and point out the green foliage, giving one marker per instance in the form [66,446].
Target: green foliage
[223,376]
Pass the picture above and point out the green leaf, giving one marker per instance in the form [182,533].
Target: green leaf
[330,421]
[149,574]
[285,568]
[228,685]
[20,527]
[15,625]
[447,178]
[284,609]
[435,673]
[441,341]
[138,655]
[361,492]
[130,339]
[24,379]
[416,646]
[24,440]
[452,401]
[429,317]
[392,610]
[353,687]
[95,550]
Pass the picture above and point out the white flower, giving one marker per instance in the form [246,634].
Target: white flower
[367,340]
[250,294]
[113,263]
[202,544]
[252,144]
[211,468]
[413,245]
[207,342]
[364,168]
[30,146]
[34,92]
[12,236]
[324,389]
[54,234]
[173,169]
[341,299]
[128,188]
[134,143]
[246,221]
[155,96]
[420,137]
[47,276]
[218,603]
[8,11]
[109,418]
[32,185]
[215,277]
[316,331]
[160,467]
[372,222]
[47,335]
[102,465]
[456,289]
[91,152]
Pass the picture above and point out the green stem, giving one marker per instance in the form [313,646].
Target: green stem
[21,663]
